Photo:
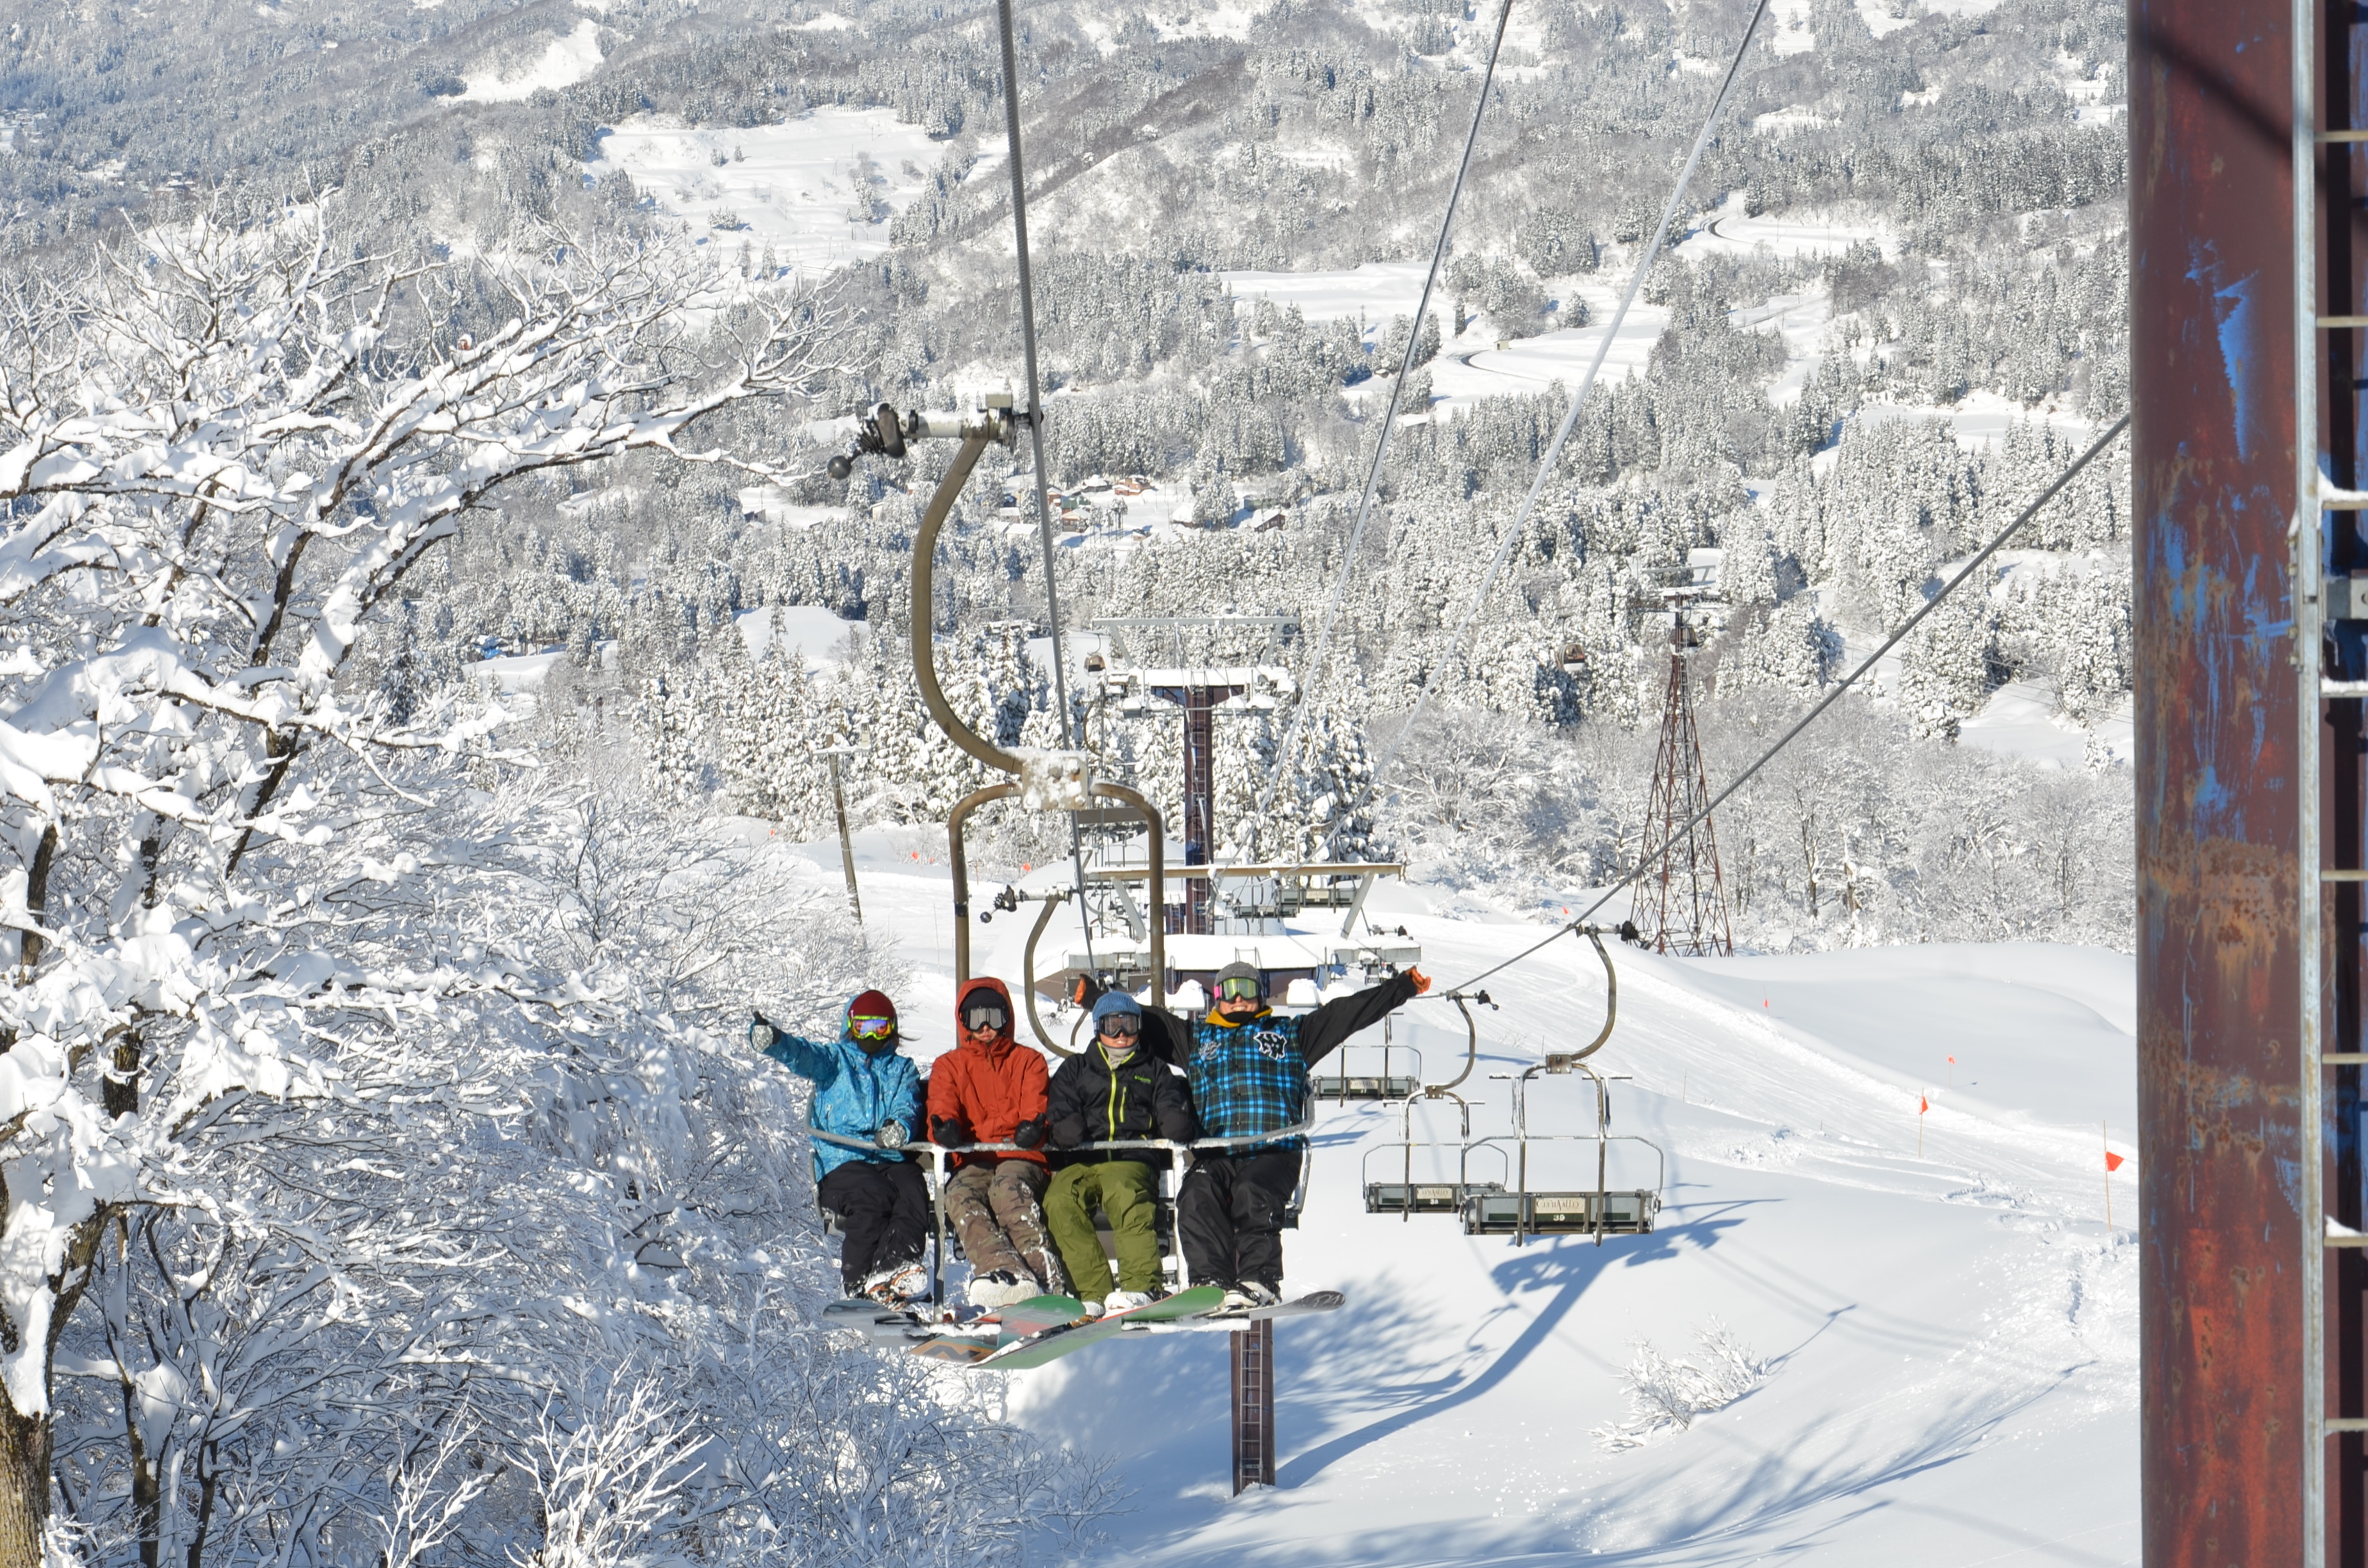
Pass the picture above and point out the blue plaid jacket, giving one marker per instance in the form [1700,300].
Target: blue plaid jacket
[1251,1077]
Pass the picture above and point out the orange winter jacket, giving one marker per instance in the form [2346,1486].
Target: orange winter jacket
[992,1087]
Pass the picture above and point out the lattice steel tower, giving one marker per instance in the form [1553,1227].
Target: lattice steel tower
[1682,903]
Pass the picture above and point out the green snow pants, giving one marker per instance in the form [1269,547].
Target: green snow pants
[1122,1189]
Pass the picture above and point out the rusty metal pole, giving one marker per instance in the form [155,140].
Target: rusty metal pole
[846,840]
[2212,366]
[1199,701]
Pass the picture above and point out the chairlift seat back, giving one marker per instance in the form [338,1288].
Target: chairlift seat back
[1428,1196]
[1560,1213]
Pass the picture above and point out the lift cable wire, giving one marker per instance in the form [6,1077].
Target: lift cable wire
[1649,862]
[1520,525]
[1314,667]
[1036,440]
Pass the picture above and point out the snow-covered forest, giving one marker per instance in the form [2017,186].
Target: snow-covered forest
[426,603]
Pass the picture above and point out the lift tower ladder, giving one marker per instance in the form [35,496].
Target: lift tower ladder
[1254,1404]
[2330,617]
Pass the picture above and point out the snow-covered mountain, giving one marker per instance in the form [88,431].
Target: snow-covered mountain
[425,603]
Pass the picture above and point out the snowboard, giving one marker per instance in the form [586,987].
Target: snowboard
[1313,1301]
[884,1325]
[967,1345]
[876,1320]
[1064,1339]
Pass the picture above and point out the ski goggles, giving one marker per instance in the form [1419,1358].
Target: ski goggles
[871,1029]
[985,1016]
[1122,1026]
[1240,988]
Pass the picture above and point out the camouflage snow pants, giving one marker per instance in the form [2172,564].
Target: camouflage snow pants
[995,1212]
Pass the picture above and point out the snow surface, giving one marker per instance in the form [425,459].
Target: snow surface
[1952,1333]
[1470,365]
[814,630]
[1734,231]
[791,185]
[2019,720]
[566,62]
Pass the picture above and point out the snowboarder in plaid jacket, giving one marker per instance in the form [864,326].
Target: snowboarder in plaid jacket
[1247,1070]
[864,1089]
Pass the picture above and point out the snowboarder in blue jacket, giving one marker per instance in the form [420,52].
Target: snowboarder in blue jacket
[865,1090]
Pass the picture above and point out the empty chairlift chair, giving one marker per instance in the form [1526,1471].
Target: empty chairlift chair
[1396,1072]
[1602,1211]
[1598,1211]
[1407,1195]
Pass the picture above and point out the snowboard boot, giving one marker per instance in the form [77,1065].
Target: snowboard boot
[1000,1288]
[898,1286]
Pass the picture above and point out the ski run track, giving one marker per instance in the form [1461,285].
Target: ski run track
[1949,1335]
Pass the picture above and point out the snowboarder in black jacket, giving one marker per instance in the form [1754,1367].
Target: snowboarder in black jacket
[1112,1092]
[1248,1067]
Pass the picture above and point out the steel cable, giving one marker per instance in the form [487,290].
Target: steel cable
[1315,668]
[1570,420]
[1036,438]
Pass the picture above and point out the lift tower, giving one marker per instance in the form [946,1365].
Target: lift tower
[1201,690]
[1682,903]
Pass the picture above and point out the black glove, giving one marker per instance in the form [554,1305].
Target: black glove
[1030,1134]
[1178,1129]
[761,1033]
[890,1135]
[949,1132]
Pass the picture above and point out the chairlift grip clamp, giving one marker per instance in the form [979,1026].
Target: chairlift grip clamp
[882,431]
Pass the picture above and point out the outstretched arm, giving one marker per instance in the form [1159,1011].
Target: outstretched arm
[800,1056]
[1322,1032]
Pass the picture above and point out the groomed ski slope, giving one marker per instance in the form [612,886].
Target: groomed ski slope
[1952,1337]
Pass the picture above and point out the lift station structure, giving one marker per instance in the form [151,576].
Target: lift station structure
[1237,910]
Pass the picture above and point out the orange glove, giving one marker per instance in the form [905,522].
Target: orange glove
[1421,981]
[1079,994]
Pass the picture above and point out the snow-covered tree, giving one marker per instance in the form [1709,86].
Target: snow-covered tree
[222,452]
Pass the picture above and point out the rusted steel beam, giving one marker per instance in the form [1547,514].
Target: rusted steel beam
[2212,370]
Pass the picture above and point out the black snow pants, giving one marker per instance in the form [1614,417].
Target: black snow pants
[1229,1216]
[885,1209]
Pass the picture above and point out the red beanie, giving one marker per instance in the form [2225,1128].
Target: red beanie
[872,1004]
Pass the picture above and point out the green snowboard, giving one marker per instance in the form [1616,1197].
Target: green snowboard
[1014,1324]
[1051,1344]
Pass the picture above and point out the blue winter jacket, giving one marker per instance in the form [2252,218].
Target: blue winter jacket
[854,1093]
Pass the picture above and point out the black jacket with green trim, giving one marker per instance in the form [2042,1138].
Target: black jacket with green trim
[1092,1102]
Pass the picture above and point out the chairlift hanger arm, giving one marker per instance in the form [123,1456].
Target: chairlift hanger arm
[1028,972]
[1611,1011]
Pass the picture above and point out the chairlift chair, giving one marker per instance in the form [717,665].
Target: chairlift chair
[1522,1213]
[1177,1270]
[1406,1197]
[1343,1085]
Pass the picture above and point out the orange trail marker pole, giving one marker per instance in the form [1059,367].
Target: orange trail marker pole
[1923,1104]
[2112,1163]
